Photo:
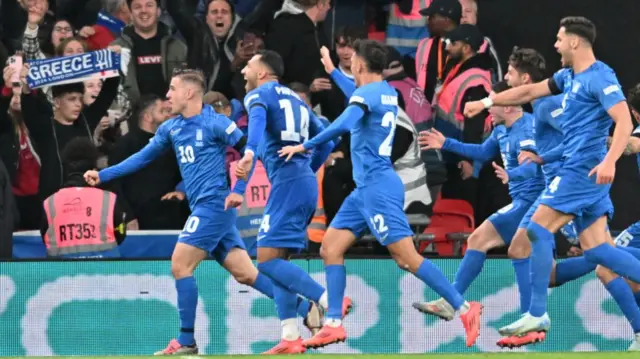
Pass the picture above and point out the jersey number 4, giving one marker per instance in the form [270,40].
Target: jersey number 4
[388,120]
[290,134]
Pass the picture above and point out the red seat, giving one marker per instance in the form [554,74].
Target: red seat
[449,216]
[378,36]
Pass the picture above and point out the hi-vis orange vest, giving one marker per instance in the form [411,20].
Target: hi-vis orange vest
[255,199]
[422,59]
[404,31]
[318,225]
[80,221]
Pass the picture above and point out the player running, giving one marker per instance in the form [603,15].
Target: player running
[592,96]
[278,117]
[377,202]
[199,138]
[512,133]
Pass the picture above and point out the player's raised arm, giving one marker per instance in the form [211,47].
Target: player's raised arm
[158,144]
[433,139]
[513,97]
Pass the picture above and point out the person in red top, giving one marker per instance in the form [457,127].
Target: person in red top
[113,17]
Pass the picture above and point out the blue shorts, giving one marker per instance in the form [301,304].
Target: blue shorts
[289,209]
[568,231]
[378,208]
[507,219]
[572,191]
[630,237]
[212,230]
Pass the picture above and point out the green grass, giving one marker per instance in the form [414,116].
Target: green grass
[580,355]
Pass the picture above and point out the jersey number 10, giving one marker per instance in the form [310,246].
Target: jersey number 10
[290,134]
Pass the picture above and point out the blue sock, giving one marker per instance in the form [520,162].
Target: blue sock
[541,267]
[286,302]
[573,268]
[302,307]
[469,269]
[336,283]
[637,295]
[622,294]
[263,285]
[621,262]
[187,301]
[292,277]
[433,277]
[523,278]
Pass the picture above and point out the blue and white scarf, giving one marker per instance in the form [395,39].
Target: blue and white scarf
[100,64]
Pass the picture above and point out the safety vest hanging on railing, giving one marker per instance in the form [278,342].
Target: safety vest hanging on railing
[255,199]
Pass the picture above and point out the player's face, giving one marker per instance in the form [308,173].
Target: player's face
[455,49]
[177,95]
[250,73]
[69,106]
[497,113]
[357,68]
[219,18]
[145,14]
[563,46]
[514,78]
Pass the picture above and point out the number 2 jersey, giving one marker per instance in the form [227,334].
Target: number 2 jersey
[199,143]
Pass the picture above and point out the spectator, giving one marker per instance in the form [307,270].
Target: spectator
[112,19]
[214,45]
[14,16]
[8,214]
[470,16]
[19,156]
[155,53]
[71,46]
[147,193]
[77,211]
[62,29]
[296,36]
[70,120]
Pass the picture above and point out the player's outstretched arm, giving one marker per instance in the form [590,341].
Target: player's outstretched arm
[322,152]
[433,139]
[346,85]
[523,171]
[513,97]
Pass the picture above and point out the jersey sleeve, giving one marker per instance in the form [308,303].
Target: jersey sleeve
[363,98]
[606,88]
[527,140]
[256,107]
[557,81]
[226,131]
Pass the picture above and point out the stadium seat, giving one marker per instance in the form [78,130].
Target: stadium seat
[451,224]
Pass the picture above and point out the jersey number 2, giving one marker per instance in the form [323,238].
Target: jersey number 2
[290,134]
[388,120]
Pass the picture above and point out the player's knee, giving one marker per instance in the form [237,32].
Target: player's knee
[519,249]
[604,274]
[244,278]
[329,253]
[180,270]
[478,241]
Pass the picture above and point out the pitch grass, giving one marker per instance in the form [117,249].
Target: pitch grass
[580,355]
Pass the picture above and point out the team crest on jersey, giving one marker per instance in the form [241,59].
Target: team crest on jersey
[199,138]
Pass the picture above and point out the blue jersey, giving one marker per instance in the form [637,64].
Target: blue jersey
[636,133]
[587,98]
[289,121]
[199,143]
[547,132]
[525,181]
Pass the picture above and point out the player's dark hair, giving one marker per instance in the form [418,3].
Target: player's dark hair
[299,87]
[194,76]
[500,87]
[350,33]
[528,61]
[61,90]
[143,105]
[373,53]
[633,99]
[79,155]
[129,2]
[580,26]
[274,61]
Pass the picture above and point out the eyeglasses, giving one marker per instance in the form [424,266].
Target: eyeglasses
[63,29]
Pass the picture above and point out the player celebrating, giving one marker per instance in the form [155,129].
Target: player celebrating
[377,202]
[279,114]
[199,138]
[592,96]
[512,133]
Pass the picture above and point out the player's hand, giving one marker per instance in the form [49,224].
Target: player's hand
[473,108]
[431,139]
[320,84]
[528,156]
[244,166]
[233,200]
[605,172]
[326,60]
[289,151]
[175,195]
[466,169]
[501,173]
[92,178]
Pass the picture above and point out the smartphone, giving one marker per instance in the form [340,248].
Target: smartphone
[16,63]
[249,39]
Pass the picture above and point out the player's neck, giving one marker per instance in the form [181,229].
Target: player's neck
[266,81]
[193,109]
[509,120]
[366,79]
[583,60]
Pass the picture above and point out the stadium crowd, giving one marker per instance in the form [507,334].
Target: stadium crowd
[120,114]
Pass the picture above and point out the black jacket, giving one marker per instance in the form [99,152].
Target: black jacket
[50,136]
[9,216]
[140,192]
[9,139]
[298,40]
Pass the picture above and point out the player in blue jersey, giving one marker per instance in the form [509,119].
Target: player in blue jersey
[377,203]
[199,138]
[278,117]
[580,190]
[512,133]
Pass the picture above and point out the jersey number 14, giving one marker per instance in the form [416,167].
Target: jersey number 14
[290,134]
